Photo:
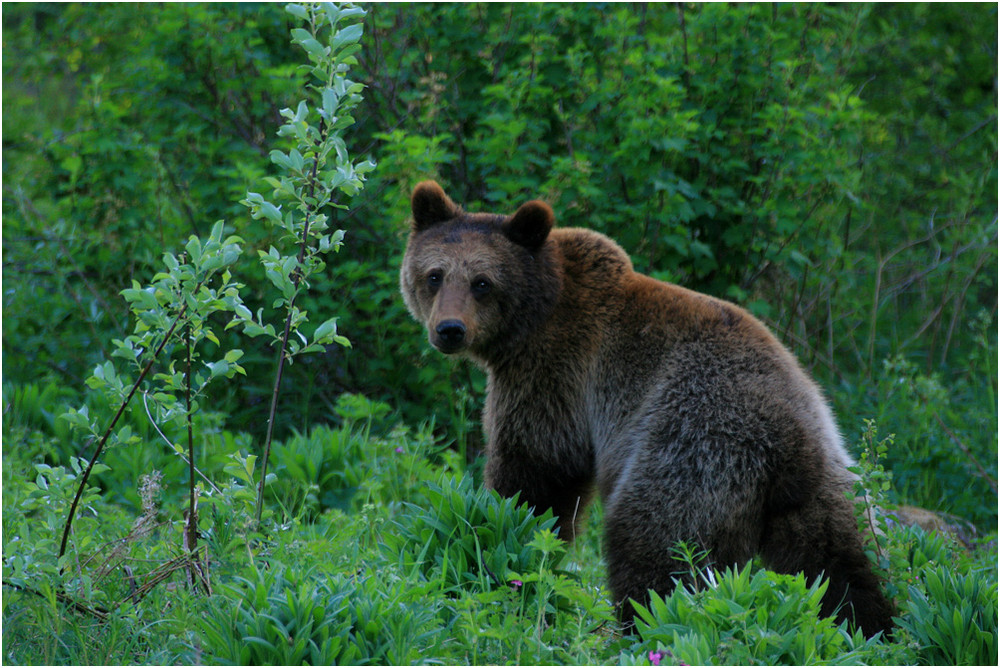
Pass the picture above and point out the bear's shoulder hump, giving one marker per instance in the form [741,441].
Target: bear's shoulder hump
[587,250]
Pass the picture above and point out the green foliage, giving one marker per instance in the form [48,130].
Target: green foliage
[186,293]
[953,617]
[944,452]
[871,496]
[732,149]
[463,535]
[354,465]
[742,616]
[832,167]
[404,578]
[111,180]
[746,150]
[180,300]
[332,620]
[36,504]
[315,172]
[33,409]
[543,615]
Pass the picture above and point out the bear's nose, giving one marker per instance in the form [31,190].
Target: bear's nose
[451,333]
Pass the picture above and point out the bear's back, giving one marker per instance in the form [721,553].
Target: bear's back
[672,363]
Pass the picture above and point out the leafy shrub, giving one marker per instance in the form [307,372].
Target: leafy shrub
[461,535]
[742,616]
[953,617]
[944,451]
[359,463]
[35,506]
[159,130]
[329,620]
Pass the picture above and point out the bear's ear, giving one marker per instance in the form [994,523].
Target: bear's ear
[530,225]
[431,206]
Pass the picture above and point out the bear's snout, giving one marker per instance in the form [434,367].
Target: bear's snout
[449,336]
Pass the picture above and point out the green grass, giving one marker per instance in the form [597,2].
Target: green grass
[413,563]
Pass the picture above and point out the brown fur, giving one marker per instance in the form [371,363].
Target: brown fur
[691,420]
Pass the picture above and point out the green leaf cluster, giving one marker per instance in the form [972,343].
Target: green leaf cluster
[462,535]
[953,617]
[743,616]
[279,618]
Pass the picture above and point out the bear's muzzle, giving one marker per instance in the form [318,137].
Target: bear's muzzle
[449,336]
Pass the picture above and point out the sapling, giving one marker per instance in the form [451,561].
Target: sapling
[871,490]
[180,299]
[173,313]
[313,173]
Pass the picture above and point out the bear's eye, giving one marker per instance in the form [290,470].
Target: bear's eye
[435,278]
[481,286]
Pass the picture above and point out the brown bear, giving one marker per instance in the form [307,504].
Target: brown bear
[691,420]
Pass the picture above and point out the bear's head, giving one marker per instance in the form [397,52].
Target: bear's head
[477,281]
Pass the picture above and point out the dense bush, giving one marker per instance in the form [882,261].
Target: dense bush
[951,617]
[321,621]
[753,152]
[742,617]
[461,535]
[831,167]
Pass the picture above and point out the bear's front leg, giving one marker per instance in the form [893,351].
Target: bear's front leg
[537,445]
[565,489]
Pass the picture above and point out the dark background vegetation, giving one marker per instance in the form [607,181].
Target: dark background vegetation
[832,167]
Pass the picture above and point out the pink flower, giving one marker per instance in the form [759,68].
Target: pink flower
[399,449]
[655,657]
[516,584]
